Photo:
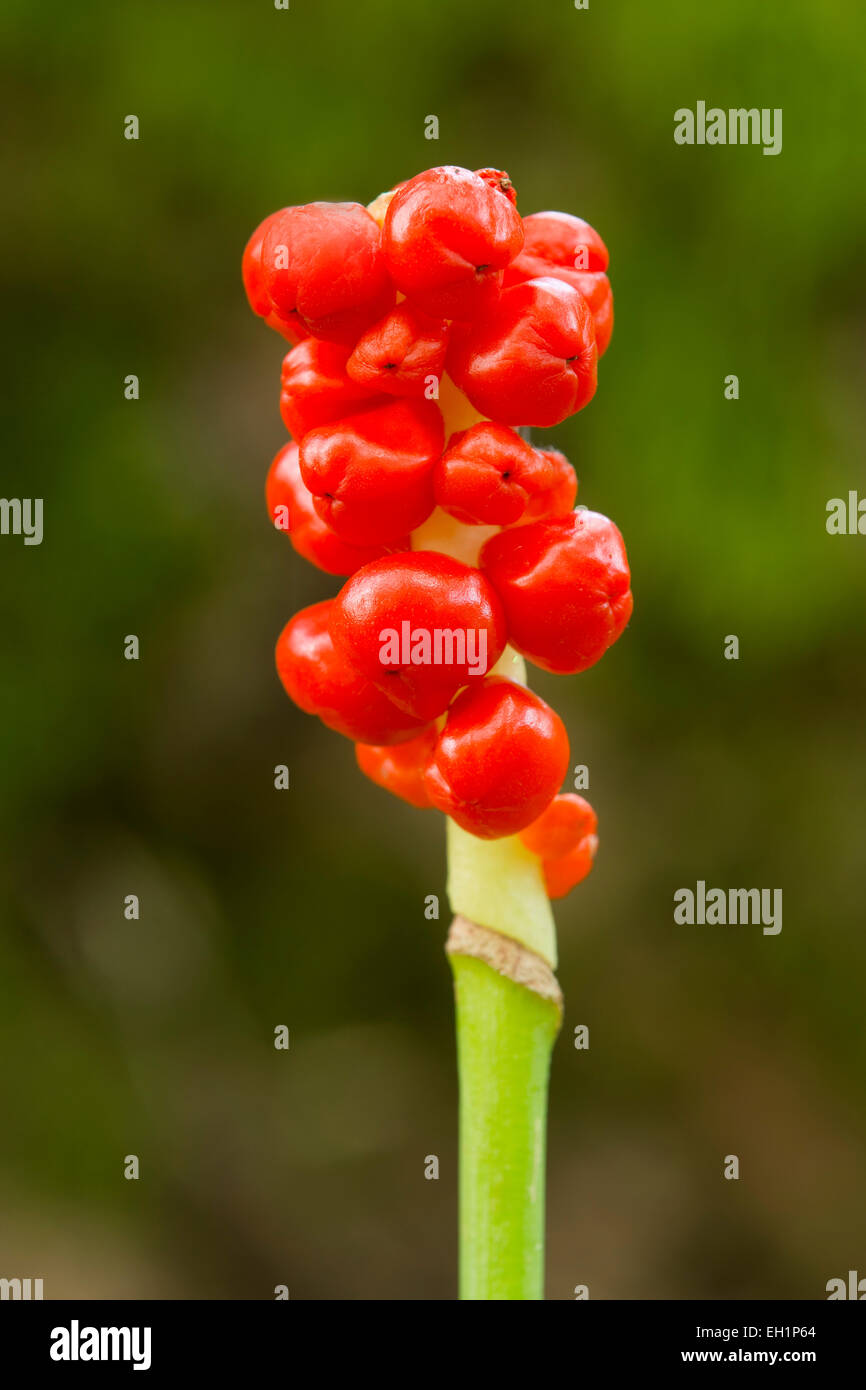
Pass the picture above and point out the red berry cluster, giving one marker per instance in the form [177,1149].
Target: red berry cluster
[440,302]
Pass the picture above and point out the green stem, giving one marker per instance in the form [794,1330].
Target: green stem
[505,1034]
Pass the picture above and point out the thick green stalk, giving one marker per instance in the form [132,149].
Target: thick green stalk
[505,1033]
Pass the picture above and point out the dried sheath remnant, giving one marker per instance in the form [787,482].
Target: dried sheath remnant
[506,956]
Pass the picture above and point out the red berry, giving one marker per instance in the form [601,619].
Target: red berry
[400,353]
[290,507]
[564,241]
[488,475]
[400,769]
[323,262]
[564,585]
[571,250]
[254,284]
[531,360]
[592,284]
[500,759]
[447,238]
[561,875]
[560,827]
[316,390]
[322,682]
[560,497]
[498,179]
[372,474]
[419,626]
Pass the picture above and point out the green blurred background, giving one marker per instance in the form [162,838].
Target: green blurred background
[305,907]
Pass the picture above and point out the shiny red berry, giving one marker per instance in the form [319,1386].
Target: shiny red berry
[400,769]
[402,355]
[564,837]
[560,239]
[446,239]
[530,360]
[371,474]
[561,826]
[488,475]
[322,261]
[499,760]
[565,588]
[321,682]
[316,390]
[419,626]
[290,507]
[563,874]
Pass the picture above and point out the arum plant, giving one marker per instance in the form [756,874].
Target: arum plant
[427,330]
